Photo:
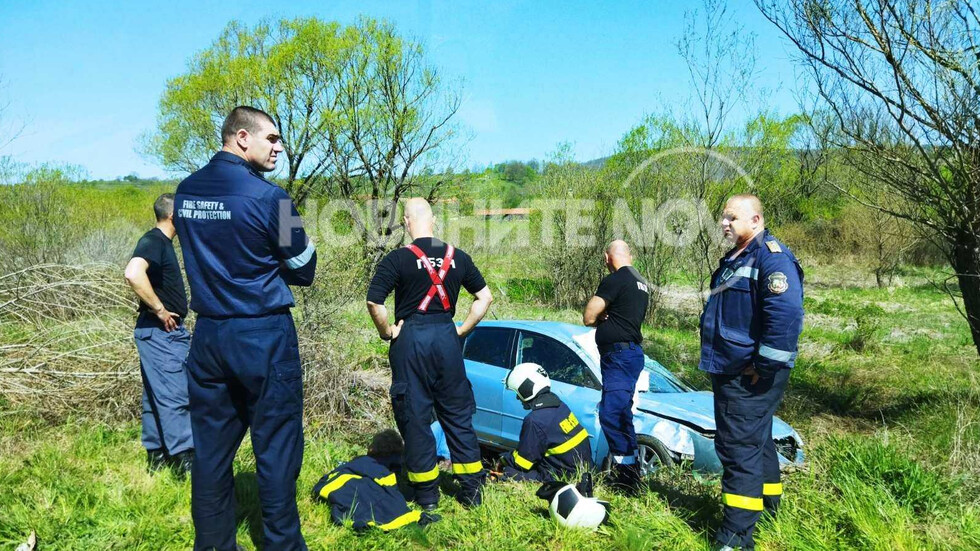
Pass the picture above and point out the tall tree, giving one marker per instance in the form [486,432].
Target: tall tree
[721,62]
[361,111]
[902,82]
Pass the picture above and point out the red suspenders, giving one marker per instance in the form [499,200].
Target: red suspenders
[436,277]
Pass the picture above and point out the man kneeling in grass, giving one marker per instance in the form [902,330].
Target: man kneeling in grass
[365,490]
[553,445]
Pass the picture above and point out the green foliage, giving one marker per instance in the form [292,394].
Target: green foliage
[360,110]
[524,290]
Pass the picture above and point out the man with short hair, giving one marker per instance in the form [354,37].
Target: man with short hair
[162,343]
[617,311]
[244,244]
[427,371]
[749,333]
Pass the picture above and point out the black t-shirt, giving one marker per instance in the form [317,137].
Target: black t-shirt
[626,294]
[164,271]
[402,271]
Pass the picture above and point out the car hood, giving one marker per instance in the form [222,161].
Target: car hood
[695,410]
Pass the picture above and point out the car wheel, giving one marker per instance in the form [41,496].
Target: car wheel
[652,455]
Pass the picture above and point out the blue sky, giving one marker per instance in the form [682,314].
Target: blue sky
[85,77]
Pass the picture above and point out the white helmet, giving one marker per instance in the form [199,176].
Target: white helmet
[527,380]
[568,507]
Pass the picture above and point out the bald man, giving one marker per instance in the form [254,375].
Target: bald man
[749,333]
[427,373]
[617,310]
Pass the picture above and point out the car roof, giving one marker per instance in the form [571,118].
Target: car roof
[563,331]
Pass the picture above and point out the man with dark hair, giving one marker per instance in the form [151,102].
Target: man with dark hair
[244,244]
[749,334]
[617,311]
[162,343]
[365,489]
[244,118]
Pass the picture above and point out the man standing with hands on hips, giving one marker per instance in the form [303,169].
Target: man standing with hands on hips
[244,244]
[427,372]
[162,342]
[617,310]
[749,333]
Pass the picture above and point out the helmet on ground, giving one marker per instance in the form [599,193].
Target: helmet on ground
[527,380]
[568,507]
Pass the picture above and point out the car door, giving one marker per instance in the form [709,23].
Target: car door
[571,380]
[487,354]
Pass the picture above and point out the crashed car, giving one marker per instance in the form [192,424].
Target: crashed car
[673,422]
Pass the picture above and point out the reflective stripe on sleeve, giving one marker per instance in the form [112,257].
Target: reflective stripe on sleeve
[772,489]
[302,258]
[467,468]
[407,518]
[776,354]
[569,444]
[389,480]
[424,477]
[522,463]
[336,484]
[742,502]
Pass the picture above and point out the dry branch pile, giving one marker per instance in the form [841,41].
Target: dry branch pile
[66,349]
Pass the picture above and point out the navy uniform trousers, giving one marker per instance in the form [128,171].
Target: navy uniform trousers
[245,373]
[750,483]
[166,415]
[427,372]
[621,364]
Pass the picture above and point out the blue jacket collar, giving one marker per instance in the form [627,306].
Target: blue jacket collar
[751,247]
[228,157]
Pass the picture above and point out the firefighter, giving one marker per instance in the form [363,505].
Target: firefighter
[244,244]
[749,332]
[617,310]
[365,491]
[427,372]
[552,444]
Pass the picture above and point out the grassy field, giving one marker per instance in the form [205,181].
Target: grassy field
[885,394]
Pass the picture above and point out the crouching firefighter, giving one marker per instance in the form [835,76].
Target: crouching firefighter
[427,373]
[553,445]
[365,489]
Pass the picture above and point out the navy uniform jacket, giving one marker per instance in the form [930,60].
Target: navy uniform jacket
[242,239]
[366,492]
[754,315]
[552,442]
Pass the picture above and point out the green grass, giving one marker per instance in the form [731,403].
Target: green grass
[886,395]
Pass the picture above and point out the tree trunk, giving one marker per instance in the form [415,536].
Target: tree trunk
[966,262]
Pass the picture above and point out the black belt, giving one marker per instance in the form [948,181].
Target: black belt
[278,311]
[437,317]
[612,347]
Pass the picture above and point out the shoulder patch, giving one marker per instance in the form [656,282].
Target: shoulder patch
[778,283]
[774,247]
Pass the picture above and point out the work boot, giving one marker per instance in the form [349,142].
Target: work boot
[155,460]
[627,480]
[470,498]
[182,463]
[426,519]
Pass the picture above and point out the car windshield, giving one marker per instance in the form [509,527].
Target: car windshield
[661,379]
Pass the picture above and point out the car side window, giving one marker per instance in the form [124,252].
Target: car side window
[489,345]
[558,360]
